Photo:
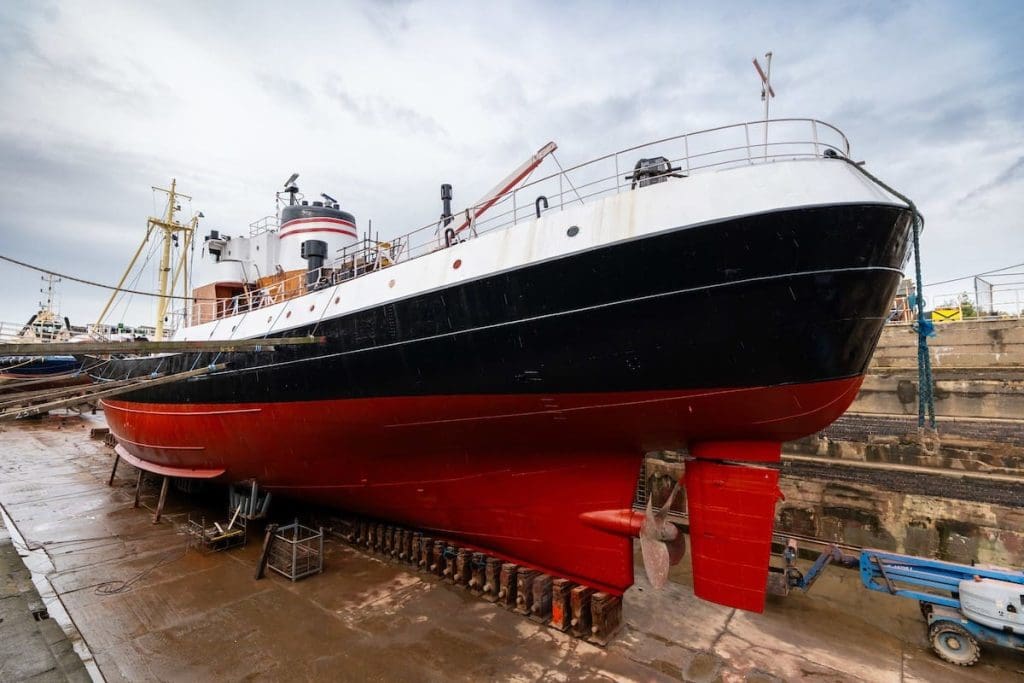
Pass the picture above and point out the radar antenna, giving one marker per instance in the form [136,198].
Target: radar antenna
[291,188]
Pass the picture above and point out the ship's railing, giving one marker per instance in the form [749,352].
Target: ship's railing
[1002,302]
[20,332]
[265,224]
[742,144]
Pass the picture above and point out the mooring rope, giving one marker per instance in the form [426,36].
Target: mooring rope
[925,328]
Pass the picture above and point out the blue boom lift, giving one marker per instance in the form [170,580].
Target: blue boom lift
[963,605]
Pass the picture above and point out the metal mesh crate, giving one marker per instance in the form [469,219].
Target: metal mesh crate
[216,537]
[297,551]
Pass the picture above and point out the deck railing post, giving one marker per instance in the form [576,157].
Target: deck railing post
[814,134]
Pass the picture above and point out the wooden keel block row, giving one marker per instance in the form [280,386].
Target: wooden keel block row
[426,547]
[463,566]
[579,604]
[606,618]
[540,610]
[561,607]
[349,529]
[396,543]
[450,553]
[524,590]
[414,548]
[404,546]
[477,573]
[385,544]
[507,585]
[492,578]
[437,558]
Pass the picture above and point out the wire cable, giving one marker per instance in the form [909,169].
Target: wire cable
[92,283]
[968,277]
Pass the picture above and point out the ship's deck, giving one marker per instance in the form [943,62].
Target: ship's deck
[188,616]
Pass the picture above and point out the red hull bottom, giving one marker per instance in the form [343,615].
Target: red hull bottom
[507,474]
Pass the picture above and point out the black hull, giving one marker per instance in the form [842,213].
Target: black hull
[787,297]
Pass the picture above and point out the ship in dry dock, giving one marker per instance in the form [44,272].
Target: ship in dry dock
[497,376]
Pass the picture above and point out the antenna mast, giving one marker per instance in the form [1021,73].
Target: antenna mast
[47,308]
[767,93]
[170,227]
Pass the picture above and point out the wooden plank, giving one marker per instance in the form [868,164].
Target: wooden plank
[268,540]
[101,391]
[143,347]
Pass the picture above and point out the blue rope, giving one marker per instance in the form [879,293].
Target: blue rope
[924,327]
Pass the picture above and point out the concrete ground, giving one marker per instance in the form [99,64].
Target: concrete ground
[149,610]
[32,645]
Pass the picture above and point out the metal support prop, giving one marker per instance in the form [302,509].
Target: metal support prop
[113,470]
[161,501]
[138,489]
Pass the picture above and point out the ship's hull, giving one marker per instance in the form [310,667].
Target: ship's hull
[499,410]
[40,372]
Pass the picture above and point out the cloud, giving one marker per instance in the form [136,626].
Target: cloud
[377,103]
[1014,172]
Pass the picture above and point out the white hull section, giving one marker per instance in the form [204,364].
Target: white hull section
[631,214]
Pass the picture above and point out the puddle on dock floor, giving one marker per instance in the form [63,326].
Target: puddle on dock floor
[148,610]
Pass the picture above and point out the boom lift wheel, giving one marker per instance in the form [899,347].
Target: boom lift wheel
[953,643]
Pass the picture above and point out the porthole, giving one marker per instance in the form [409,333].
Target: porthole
[269,318]
[337,299]
[457,264]
[391,283]
[311,307]
[288,314]
[573,231]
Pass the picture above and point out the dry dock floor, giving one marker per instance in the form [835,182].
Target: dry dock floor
[149,610]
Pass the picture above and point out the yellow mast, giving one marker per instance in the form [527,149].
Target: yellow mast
[169,226]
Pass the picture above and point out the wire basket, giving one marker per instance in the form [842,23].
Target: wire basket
[297,551]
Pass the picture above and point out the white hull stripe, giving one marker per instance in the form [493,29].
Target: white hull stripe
[319,219]
[350,233]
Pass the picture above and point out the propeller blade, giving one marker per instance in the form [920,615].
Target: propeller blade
[676,549]
[662,545]
[656,560]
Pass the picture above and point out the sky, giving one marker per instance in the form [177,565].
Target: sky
[378,103]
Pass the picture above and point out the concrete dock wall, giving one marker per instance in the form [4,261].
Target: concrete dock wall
[978,368]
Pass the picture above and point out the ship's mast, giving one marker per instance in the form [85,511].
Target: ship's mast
[46,310]
[170,228]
